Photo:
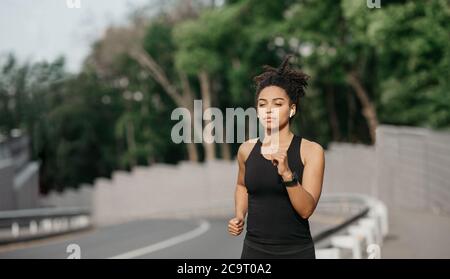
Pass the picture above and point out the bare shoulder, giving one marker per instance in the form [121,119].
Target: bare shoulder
[245,148]
[311,150]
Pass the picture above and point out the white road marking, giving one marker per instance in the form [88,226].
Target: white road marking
[204,227]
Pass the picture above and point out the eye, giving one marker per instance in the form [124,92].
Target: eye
[262,104]
[279,104]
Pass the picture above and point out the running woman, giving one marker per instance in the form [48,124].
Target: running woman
[278,188]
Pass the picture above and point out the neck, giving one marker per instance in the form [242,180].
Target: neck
[281,135]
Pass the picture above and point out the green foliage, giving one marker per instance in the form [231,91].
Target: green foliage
[87,125]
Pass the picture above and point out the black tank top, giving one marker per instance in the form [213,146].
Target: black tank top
[271,218]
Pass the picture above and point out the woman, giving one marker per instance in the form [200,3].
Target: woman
[279,189]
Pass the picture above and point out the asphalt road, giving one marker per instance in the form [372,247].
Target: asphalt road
[154,238]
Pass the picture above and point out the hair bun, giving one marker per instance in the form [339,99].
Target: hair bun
[294,82]
[282,68]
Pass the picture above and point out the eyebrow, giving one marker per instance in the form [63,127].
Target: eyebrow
[279,98]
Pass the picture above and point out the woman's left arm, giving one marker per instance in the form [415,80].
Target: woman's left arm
[305,196]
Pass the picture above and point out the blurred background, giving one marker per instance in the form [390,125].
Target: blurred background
[87,89]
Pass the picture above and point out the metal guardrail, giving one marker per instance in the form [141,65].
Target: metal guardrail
[332,231]
[366,224]
[29,224]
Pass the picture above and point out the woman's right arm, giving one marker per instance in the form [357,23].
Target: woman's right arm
[241,195]
[236,224]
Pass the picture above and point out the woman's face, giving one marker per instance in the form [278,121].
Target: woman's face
[273,107]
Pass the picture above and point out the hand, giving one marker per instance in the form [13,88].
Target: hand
[280,160]
[236,225]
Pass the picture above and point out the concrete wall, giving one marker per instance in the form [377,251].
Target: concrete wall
[19,189]
[19,177]
[26,187]
[349,168]
[413,168]
[407,168]
[181,190]
[6,185]
[81,197]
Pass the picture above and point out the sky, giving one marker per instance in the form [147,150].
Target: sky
[37,30]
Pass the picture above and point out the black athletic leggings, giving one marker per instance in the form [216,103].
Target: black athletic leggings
[252,251]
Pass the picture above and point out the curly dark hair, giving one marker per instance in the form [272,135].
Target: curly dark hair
[294,82]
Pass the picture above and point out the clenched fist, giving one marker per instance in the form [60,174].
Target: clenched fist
[236,225]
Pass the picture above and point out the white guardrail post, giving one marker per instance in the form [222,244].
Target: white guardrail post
[366,231]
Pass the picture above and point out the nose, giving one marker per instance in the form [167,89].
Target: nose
[271,110]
